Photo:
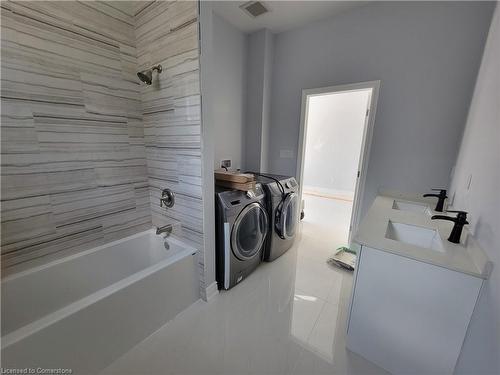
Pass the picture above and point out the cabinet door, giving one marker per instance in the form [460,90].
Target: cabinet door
[409,317]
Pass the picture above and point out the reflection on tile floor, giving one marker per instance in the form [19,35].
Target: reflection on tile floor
[288,317]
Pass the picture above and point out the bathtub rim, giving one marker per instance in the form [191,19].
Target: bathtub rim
[70,257]
[45,321]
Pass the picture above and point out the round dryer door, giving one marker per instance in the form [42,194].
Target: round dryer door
[286,220]
[249,231]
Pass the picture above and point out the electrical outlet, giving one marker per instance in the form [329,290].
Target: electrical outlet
[225,163]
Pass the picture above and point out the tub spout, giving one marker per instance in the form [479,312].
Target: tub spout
[167,229]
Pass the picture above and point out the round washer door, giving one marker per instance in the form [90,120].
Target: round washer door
[249,231]
[286,219]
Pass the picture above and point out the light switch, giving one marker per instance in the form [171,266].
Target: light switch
[451,199]
[469,182]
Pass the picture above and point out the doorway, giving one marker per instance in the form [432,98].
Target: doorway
[334,143]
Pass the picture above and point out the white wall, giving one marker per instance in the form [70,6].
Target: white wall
[224,78]
[479,156]
[426,55]
[335,125]
[229,91]
[266,99]
[223,88]
[258,111]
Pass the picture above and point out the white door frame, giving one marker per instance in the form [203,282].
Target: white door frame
[365,145]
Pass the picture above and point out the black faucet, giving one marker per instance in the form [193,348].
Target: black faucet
[442,196]
[459,221]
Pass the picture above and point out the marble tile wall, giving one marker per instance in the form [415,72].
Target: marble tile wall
[167,34]
[86,148]
[73,160]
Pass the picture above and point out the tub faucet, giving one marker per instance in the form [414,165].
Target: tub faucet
[164,229]
[441,197]
[459,221]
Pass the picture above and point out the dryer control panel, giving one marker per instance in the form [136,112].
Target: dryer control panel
[289,185]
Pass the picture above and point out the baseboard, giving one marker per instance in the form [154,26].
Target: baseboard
[328,192]
[211,291]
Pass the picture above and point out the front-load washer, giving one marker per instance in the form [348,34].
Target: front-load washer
[241,232]
[282,201]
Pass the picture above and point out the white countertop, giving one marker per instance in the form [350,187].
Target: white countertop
[466,257]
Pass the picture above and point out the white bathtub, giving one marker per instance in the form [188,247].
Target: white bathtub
[84,311]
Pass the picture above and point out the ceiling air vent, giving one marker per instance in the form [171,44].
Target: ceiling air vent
[254,8]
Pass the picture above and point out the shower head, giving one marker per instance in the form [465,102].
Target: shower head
[146,76]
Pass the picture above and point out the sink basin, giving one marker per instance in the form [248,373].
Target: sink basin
[414,235]
[411,206]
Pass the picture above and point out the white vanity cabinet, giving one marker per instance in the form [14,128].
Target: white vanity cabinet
[407,316]
[414,292]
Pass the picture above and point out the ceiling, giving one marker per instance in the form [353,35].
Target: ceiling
[283,15]
[131,8]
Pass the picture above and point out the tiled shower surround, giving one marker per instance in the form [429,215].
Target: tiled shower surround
[167,34]
[86,148]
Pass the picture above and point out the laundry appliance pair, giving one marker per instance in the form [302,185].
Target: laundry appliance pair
[255,225]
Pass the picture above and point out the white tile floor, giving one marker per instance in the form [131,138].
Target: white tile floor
[288,317]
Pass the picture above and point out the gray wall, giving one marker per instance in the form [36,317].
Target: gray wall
[73,156]
[479,156]
[229,91]
[425,54]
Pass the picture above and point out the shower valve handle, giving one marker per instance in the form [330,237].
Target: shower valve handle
[167,198]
